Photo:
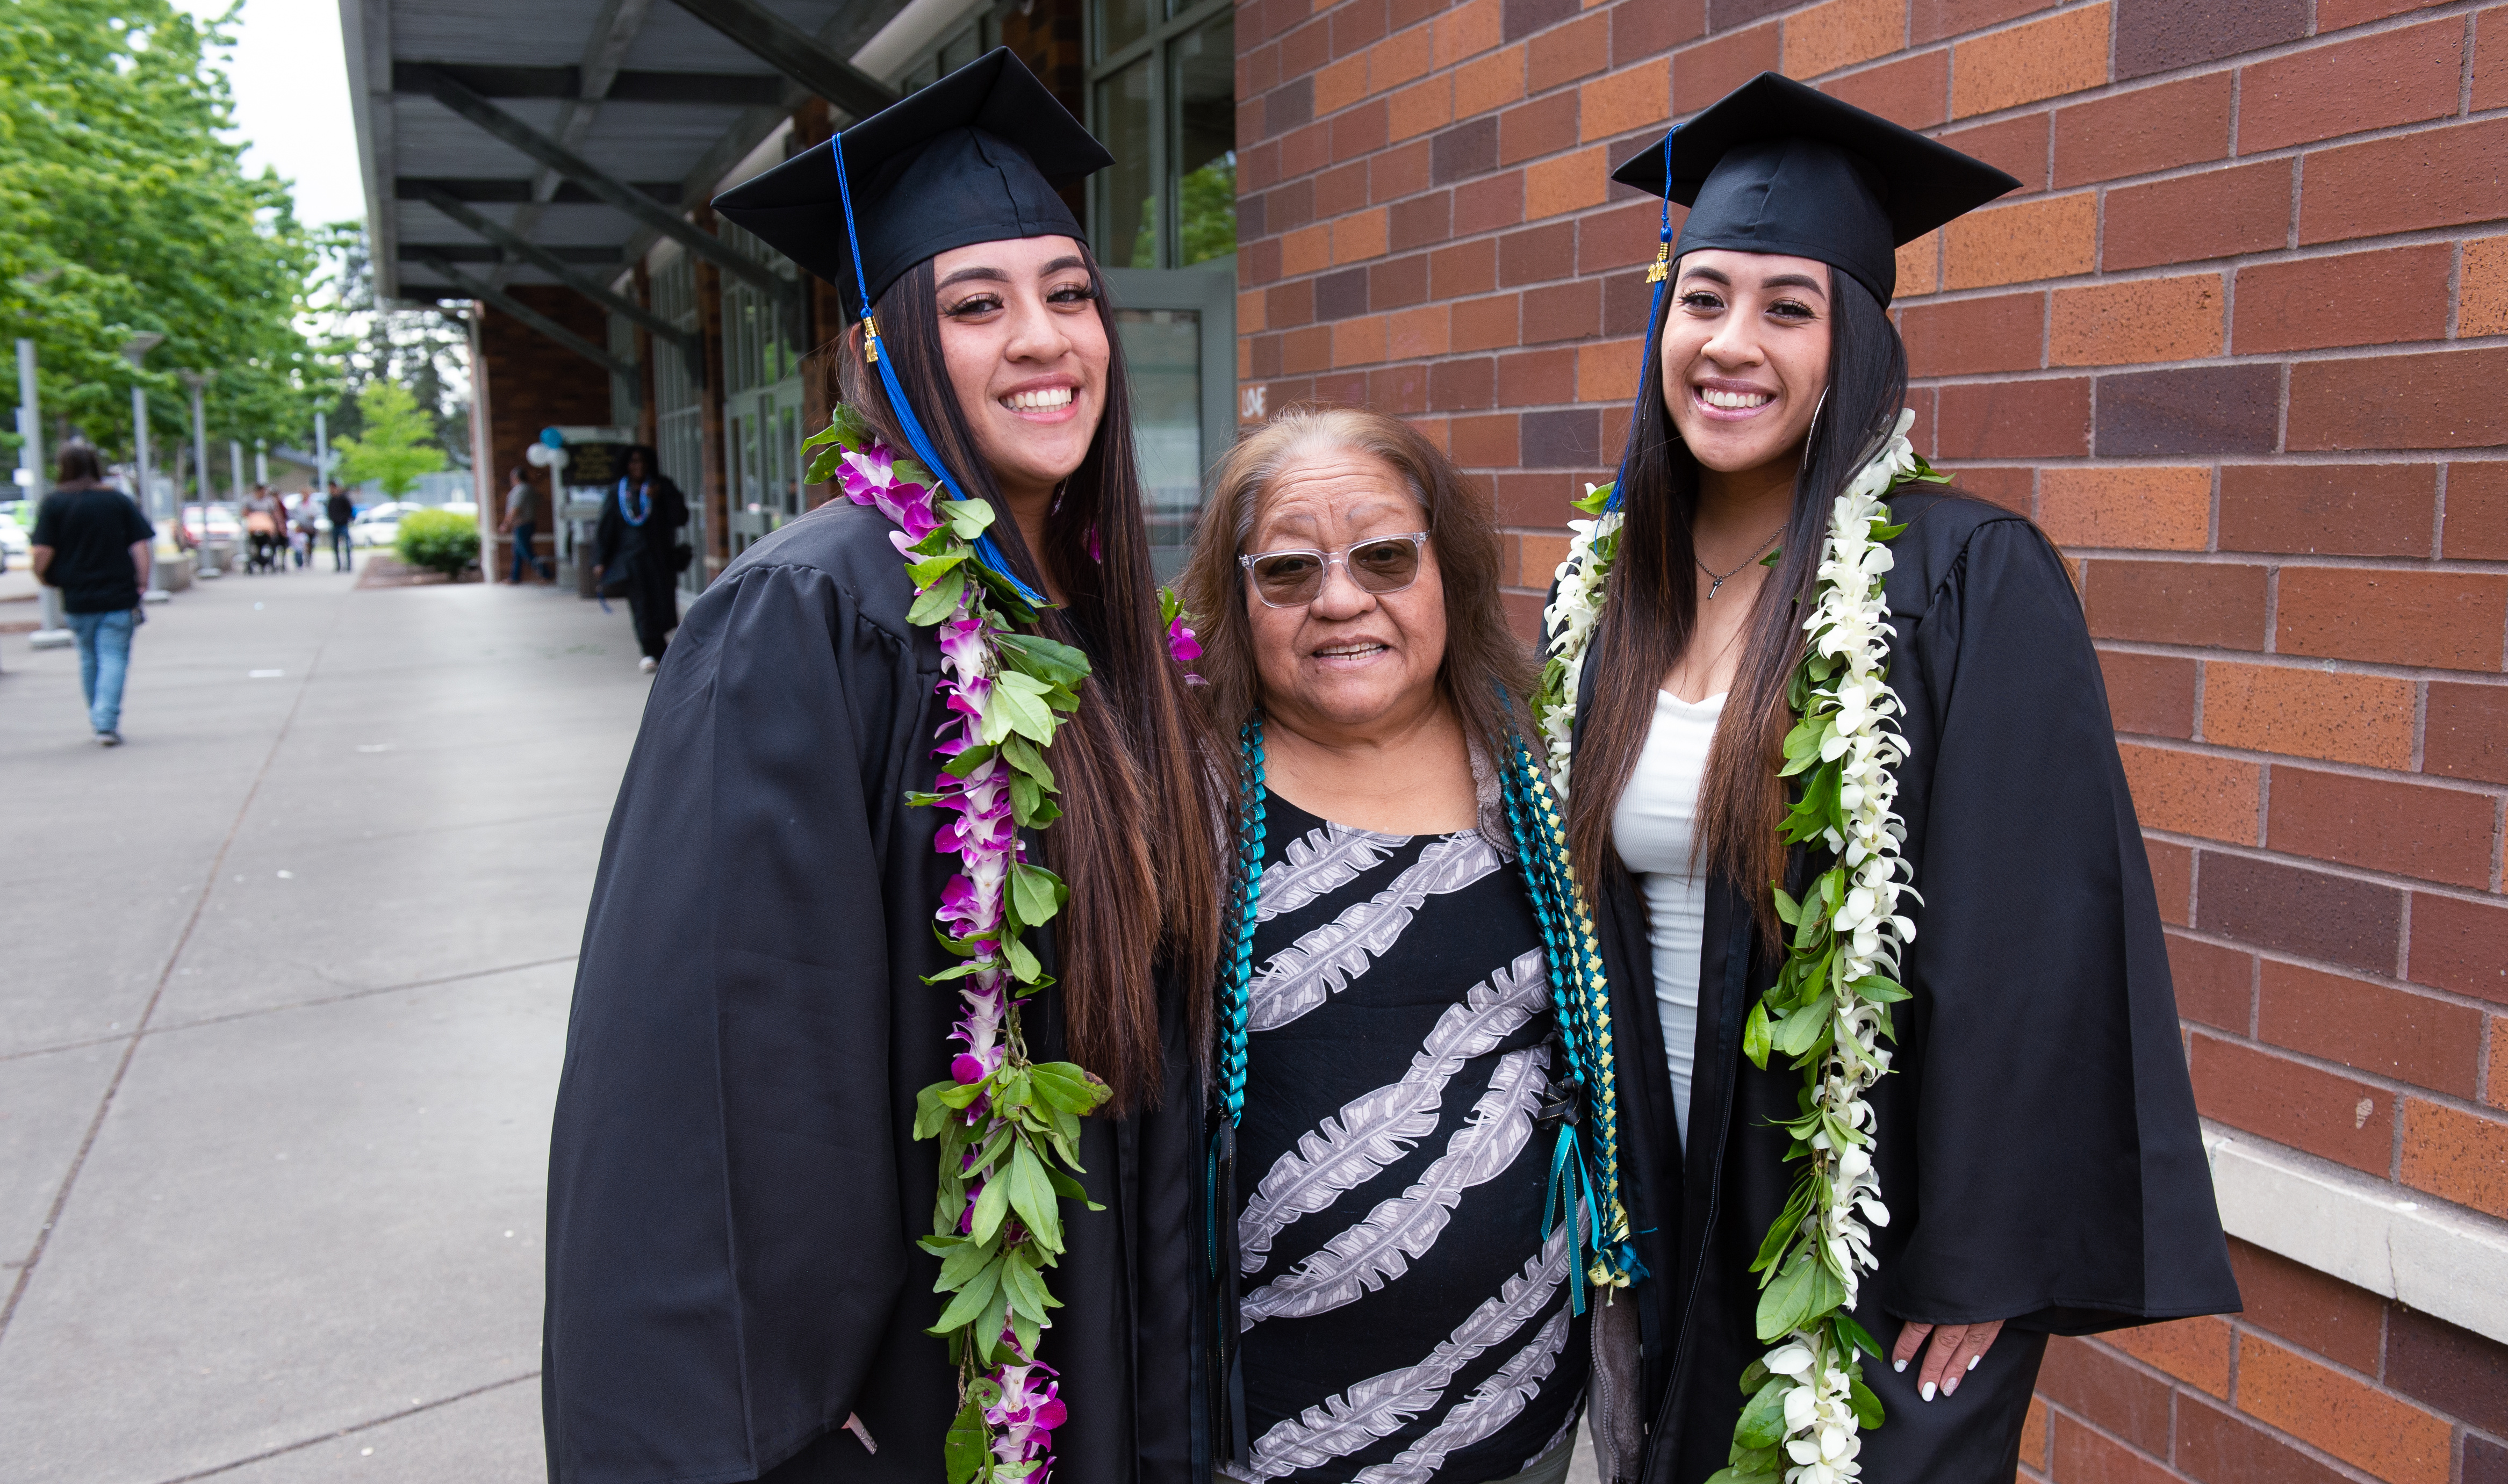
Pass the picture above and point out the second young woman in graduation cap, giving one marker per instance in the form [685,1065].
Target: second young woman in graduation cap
[876,1142]
[1841,775]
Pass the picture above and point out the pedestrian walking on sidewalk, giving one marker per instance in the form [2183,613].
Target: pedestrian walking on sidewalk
[636,552]
[340,510]
[303,524]
[92,542]
[520,525]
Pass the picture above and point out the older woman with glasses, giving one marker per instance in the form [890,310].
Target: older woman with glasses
[1416,1223]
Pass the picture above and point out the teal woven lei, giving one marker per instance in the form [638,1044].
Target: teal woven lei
[1580,998]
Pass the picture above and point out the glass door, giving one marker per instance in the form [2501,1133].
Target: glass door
[1179,335]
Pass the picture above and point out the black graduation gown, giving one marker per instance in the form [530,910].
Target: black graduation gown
[2038,1144]
[734,1186]
[648,548]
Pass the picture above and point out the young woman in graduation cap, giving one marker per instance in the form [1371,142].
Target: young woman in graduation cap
[1841,779]
[826,1198]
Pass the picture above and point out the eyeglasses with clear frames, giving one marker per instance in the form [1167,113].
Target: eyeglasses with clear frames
[1291,579]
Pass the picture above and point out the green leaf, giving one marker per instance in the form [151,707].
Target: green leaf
[1046,658]
[1801,1029]
[1036,894]
[957,1095]
[928,571]
[1021,755]
[1782,1231]
[1025,799]
[1754,1036]
[1849,1332]
[1012,708]
[990,1207]
[1788,911]
[965,1263]
[973,1300]
[1867,1406]
[1803,1291]
[1879,989]
[1598,501]
[939,602]
[959,766]
[970,519]
[931,1114]
[1026,1286]
[1023,962]
[1068,1086]
[1032,1196]
[1763,1421]
[969,1445]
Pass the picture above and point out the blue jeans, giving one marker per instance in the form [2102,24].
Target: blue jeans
[105,657]
[525,558]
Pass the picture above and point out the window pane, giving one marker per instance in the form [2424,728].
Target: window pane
[1126,234]
[1162,362]
[1120,23]
[1204,89]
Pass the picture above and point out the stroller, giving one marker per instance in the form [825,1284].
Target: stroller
[268,541]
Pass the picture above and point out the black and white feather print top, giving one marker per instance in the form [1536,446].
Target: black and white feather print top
[1404,1320]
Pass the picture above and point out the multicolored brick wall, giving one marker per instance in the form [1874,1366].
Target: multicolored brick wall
[2239,343]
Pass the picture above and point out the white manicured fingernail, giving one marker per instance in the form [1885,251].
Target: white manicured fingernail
[1950,1386]
[1926,1391]
[1972,1359]
[1897,1365]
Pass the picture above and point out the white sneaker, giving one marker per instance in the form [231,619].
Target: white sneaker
[648,665]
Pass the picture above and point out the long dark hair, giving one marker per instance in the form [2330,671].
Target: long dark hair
[1487,669]
[1654,597]
[1132,761]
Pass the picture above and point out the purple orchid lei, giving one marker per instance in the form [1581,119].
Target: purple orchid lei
[1008,1128]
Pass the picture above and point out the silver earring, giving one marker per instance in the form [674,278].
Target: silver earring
[1813,429]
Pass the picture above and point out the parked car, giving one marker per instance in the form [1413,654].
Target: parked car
[14,545]
[380,525]
[212,522]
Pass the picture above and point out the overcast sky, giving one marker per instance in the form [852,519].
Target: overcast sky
[291,96]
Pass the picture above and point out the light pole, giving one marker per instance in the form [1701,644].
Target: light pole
[145,496]
[321,454]
[197,379]
[50,631]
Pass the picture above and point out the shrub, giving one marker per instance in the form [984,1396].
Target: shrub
[438,541]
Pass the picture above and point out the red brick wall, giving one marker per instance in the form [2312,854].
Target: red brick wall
[2239,343]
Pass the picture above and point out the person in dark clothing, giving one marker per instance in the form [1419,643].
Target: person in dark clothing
[92,542]
[340,510]
[635,552]
[796,966]
[1867,874]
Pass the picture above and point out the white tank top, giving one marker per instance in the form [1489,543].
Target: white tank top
[1652,829]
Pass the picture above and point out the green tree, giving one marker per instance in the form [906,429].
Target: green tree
[399,442]
[123,210]
[426,350]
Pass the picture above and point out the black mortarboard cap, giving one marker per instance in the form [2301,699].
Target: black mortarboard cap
[972,158]
[1773,166]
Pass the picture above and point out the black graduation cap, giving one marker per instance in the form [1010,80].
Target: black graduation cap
[972,158]
[1775,166]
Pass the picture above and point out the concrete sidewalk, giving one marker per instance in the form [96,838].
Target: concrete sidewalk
[282,995]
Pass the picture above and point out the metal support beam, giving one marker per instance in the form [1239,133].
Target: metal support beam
[795,52]
[538,322]
[626,198]
[565,272]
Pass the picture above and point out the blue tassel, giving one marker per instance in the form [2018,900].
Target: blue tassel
[1654,350]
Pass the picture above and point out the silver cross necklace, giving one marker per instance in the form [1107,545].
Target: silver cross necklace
[1720,577]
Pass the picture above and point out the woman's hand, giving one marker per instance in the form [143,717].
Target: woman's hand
[1955,1351]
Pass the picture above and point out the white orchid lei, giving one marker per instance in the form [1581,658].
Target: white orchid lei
[1008,1128]
[1829,1009]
